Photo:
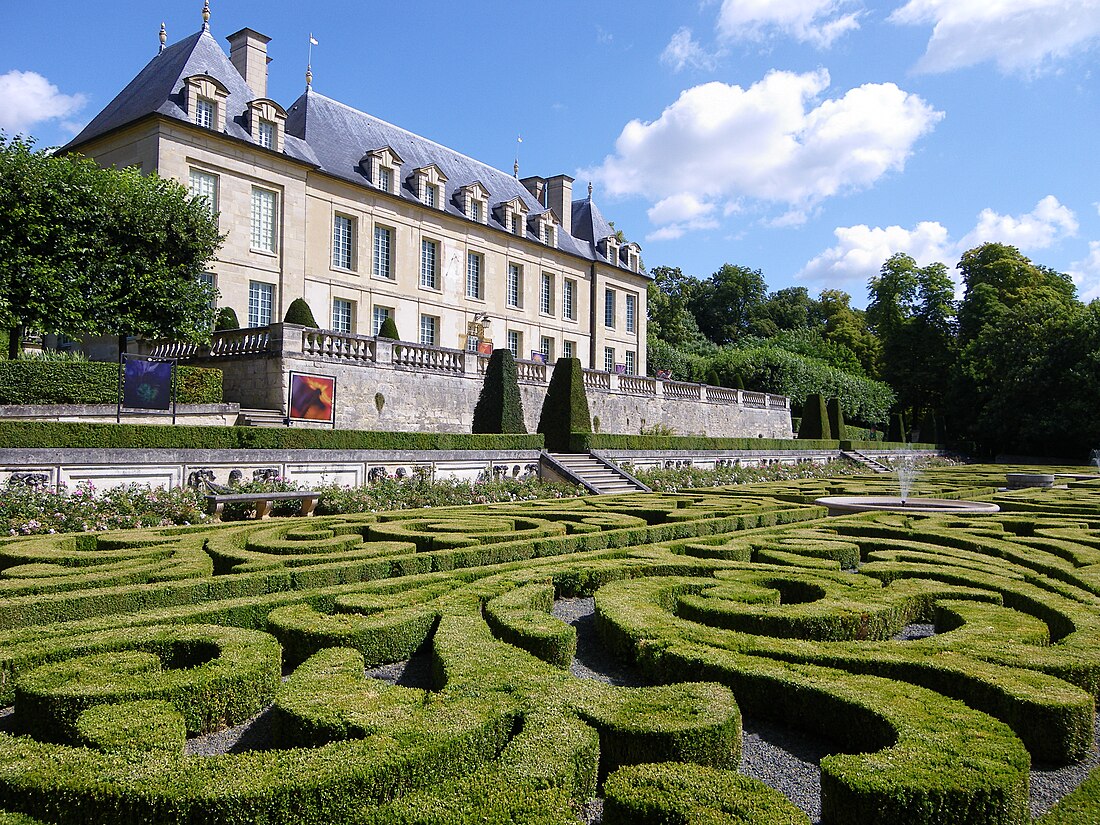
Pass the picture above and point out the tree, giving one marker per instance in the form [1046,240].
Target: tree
[669,318]
[299,313]
[785,309]
[90,251]
[844,326]
[725,303]
[499,407]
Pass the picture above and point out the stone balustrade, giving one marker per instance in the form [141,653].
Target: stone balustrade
[343,348]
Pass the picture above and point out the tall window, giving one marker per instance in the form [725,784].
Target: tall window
[631,363]
[429,330]
[430,195]
[378,317]
[265,134]
[342,315]
[546,347]
[631,310]
[609,359]
[261,297]
[475,211]
[546,294]
[548,233]
[568,299]
[210,280]
[513,286]
[264,207]
[568,349]
[383,238]
[206,111]
[609,308]
[429,264]
[515,342]
[343,242]
[205,185]
[474,265]
[385,179]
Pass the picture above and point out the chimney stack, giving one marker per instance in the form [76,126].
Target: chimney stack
[248,53]
[559,197]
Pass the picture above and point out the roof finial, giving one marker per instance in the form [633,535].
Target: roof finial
[206,15]
[515,168]
[163,37]
[309,61]
[309,76]
[590,190]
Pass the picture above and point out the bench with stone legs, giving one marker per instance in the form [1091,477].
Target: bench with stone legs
[261,501]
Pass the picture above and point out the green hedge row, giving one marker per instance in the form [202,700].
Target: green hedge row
[583,442]
[520,617]
[60,435]
[887,445]
[93,382]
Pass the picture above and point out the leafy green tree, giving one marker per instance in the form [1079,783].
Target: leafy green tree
[845,326]
[669,318]
[725,304]
[90,251]
[786,309]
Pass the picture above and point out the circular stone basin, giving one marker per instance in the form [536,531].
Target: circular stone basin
[839,505]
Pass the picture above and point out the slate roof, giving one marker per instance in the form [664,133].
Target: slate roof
[329,135]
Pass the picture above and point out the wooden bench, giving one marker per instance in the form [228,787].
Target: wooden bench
[262,502]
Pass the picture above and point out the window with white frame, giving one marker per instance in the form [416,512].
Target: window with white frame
[431,194]
[477,211]
[204,185]
[546,347]
[515,342]
[210,280]
[631,311]
[631,362]
[206,113]
[343,315]
[609,308]
[568,299]
[548,233]
[378,317]
[612,251]
[261,298]
[429,264]
[429,330]
[546,294]
[385,179]
[265,205]
[383,244]
[343,242]
[265,134]
[568,349]
[609,359]
[513,286]
[475,263]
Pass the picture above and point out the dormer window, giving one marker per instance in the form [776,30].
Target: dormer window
[267,122]
[513,216]
[381,167]
[427,182]
[548,233]
[633,257]
[206,113]
[611,249]
[545,227]
[206,97]
[473,200]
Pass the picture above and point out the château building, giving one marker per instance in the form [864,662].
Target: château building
[366,220]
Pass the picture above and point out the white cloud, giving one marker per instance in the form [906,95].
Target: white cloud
[1048,222]
[818,22]
[774,142]
[683,50]
[1018,35]
[1086,273]
[861,250]
[27,99]
[679,214]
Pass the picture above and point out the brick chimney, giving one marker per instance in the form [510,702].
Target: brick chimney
[248,53]
[559,198]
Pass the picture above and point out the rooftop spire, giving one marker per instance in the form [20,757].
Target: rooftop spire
[309,76]
[163,37]
[206,15]
[590,190]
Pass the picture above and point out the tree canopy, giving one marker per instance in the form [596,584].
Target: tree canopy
[91,251]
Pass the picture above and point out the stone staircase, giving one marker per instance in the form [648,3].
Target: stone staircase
[261,418]
[592,472]
[866,461]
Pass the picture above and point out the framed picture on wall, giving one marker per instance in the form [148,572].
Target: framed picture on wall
[146,385]
[312,398]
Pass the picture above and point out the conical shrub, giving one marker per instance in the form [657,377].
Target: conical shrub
[836,420]
[565,409]
[499,407]
[389,329]
[815,418]
[299,313]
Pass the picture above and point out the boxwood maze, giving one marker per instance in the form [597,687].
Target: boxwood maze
[115,649]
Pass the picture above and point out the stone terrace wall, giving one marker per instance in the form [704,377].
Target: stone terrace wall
[399,386]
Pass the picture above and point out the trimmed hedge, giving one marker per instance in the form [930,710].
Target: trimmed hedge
[815,423]
[299,313]
[93,382]
[62,434]
[565,408]
[499,407]
[583,442]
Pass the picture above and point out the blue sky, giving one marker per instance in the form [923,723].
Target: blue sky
[807,138]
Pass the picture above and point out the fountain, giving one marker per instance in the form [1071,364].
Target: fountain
[907,467]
